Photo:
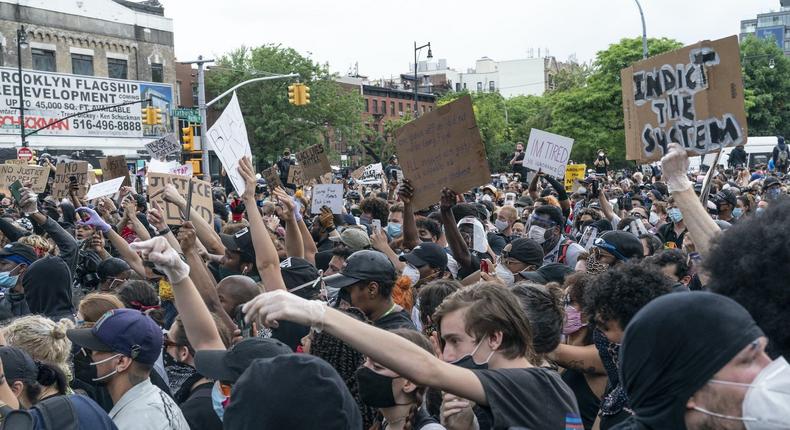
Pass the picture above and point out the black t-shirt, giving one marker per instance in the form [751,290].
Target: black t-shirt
[198,411]
[588,402]
[395,319]
[519,168]
[532,398]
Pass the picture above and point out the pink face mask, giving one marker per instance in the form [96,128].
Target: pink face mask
[573,321]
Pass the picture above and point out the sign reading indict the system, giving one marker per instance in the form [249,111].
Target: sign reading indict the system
[51,96]
[692,96]
[547,152]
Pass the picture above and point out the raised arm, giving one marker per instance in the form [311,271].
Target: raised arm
[411,237]
[198,323]
[388,349]
[156,219]
[120,245]
[67,245]
[606,207]
[699,224]
[265,253]
[130,208]
[205,232]
[562,195]
[286,211]
[310,249]
[454,240]
[581,358]
[533,187]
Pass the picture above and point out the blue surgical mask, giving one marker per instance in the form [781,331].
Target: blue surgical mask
[675,215]
[737,212]
[394,229]
[8,281]
[218,400]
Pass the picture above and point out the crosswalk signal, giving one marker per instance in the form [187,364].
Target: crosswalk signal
[293,95]
[305,95]
[188,138]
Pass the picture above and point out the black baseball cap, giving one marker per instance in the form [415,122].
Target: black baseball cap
[552,272]
[125,331]
[770,181]
[727,196]
[18,365]
[526,251]
[426,253]
[23,252]
[228,365]
[365,265]
[241,241]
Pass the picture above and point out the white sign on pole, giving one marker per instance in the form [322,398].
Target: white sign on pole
[330,195]
[228,138]
[372,174]
[164,146]
[104,188]
[548,152]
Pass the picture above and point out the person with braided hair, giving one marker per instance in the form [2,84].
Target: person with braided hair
[399,400]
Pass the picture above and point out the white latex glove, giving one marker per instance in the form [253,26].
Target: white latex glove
[29,201]
[164,257]
[282,305]
[674,166]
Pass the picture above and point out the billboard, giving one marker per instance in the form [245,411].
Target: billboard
[778,34]
[50,96]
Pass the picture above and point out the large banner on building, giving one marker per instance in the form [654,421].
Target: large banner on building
[51,96]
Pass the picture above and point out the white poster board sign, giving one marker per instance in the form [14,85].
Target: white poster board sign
[105,188]
[228,138]
[182,170]
[372,174]
[548,152]
[330,195]
[164,146]
[157,166]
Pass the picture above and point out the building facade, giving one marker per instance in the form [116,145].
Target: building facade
[775,25]
[116,39]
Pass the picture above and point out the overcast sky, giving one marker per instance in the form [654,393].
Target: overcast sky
[380,35]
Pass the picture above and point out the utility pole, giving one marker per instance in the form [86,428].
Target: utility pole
[644,30]
[202,107]
[21,42]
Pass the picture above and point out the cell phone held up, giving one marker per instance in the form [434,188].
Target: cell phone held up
[14,188]
[246,329]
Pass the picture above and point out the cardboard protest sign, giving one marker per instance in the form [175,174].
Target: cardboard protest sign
[356,174]
[373,174]
[202,203]
[105,188]
[692,96]
[272,177]
[164,146]
[329,195]
[548,152]
[314,162]
[63,174]
[442,148]
[36,175]
[114,166]
[574,172]
[295,175]
[228,138]
[17,161]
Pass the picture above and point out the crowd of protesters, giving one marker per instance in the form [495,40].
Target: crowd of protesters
[630,301]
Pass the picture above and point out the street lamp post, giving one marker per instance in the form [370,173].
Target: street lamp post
[21,42]
[416,85]
[644,30]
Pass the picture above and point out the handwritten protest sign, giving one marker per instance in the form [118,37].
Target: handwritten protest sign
[272,177]
[373,174]
[113,167]
[295,175]
[692,96]
[314,162]
[573,174]
[547,152]
[164,146]
[104,188]
[182,170]
[442,148]
[202,203]
[228,138]
[17,161]
[37,176]
[63,174]
[329,195]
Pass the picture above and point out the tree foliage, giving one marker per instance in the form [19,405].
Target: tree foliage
[767,89]
[272,123]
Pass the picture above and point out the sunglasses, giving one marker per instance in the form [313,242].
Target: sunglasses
[608,247]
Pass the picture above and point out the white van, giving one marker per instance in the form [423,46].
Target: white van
[758,150]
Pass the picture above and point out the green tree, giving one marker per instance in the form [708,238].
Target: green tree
[273,124]
[766,80]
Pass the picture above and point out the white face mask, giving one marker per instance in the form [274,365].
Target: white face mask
[505,274]
[581,190]
[653,218]
[537,233]
[412,273]
[485,198]
[501,225]
[767,402]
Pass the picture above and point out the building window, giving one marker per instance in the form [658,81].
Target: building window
[157,73]
[479,86]
[384,107]
[117,68]
[392,108]
[400,107]
[43,60]
[367,105]
[81,64]
[491,87]
[375,106]
[457,86]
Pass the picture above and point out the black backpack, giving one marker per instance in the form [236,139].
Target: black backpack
[57,413]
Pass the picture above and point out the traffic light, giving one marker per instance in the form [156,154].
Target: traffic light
[305,95]
[157,116]
[293,95]
[188,138]
[147,115]
[196,166]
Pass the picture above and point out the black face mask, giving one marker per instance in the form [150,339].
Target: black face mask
[375,390]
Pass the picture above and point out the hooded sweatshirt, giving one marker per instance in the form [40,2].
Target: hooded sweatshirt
[47,284]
